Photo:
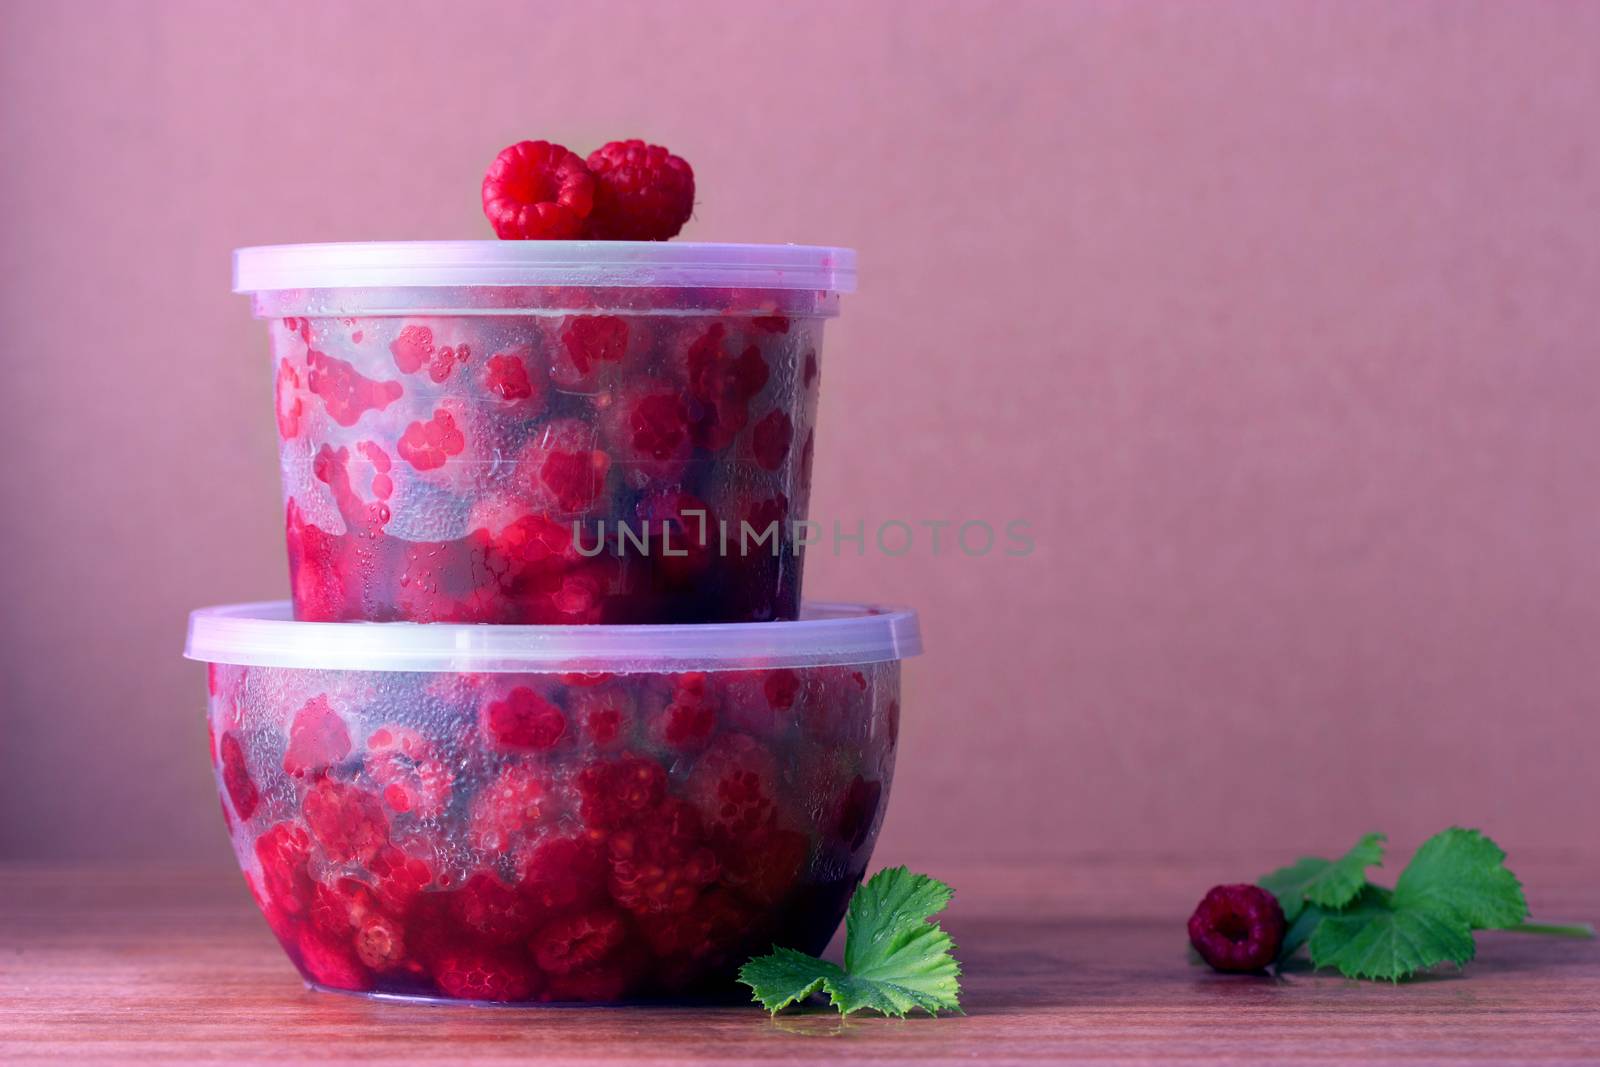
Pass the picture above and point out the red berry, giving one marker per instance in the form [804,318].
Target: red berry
[484,974]
[318,739]
[506,376]
[641,192]
[510,806]
[338,909]
[771,439]
[284,853]
[560,873]
[347,822]
[661,863]
[401,878]
[857,812]
[1237,928]
[562,470]
[780,688]
[605,715]
[332,963]
[346,393]
[412,348]
[380,943]
[537,190]
[427,445]
[734,787]
[525,721]
[493,911]
[767,868]
[690,718]
[616,793]
[236,777]
[683,525]
[578,941]
[408,777]
[647,431]
[586,342]
[289,405]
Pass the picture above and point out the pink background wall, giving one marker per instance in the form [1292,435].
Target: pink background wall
[1280,322]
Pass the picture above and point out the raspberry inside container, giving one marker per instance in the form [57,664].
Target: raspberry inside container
[517,814]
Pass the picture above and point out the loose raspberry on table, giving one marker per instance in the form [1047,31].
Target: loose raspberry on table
[642,192]
[318,739]
[427,445]
[615,793]
[236,777]
[347,822]
[537,190]
[524,721]
[1237,928]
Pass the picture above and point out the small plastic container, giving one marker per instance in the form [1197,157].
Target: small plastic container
[550,432]
[535,814]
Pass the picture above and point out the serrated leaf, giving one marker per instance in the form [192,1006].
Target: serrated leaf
[1377,938]
[1462,872]
[1329,884]
[785,977]
[895,959]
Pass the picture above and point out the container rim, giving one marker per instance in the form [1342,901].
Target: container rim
[264,634]
[605,264]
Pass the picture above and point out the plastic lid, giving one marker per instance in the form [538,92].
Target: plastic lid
[266,635]
[610,264]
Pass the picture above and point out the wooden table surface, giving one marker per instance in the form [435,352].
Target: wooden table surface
[1082,963]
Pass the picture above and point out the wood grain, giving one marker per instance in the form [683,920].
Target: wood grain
[1080,964]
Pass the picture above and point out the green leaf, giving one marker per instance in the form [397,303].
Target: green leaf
[1380,937]
[895,959]
[1299,931]
[1330,884]
[1461,872]
[785,977]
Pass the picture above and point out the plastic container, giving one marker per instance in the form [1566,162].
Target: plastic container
[545,431]
[595,814]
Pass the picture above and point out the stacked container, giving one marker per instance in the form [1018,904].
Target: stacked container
[544,719]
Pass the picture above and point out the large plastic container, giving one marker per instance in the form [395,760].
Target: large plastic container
[545,431]
[508,813]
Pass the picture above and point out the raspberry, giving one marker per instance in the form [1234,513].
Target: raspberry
[508,807]
[318,739]
[588,340]
[561,468]
[687,723]
[427,445]
[579,940]
[771,439]
[493,911]
[408,776]
[412,348]
[684,524]
[401,878]
[606,716]
[524,720]
[661,863]
[859,809]
[289,405]
[1237,928]
[647,430]
[537,190]
[506,376]
[722,386]
[285,854]
[484,974]
[339,908]
[780,688]
[641,192]
[345,392]
[616,793]
[236,777]
[733,787]
[331,963]
[380,943]
[768,867]
[348,823]
[561,872]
